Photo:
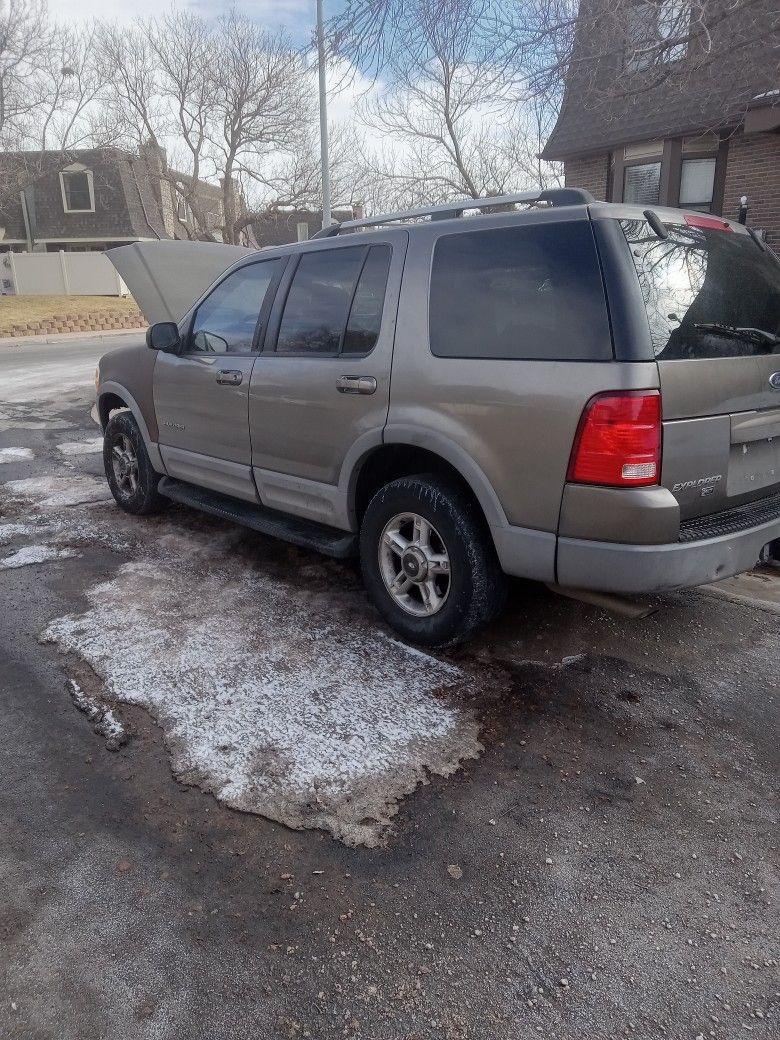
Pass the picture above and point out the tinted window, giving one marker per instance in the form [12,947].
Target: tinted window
[77,194]
[519,292]
[225,322]
[365,317]
[698,277]
[318,302]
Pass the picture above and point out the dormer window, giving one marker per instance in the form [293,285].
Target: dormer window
[78,190]
[657,33]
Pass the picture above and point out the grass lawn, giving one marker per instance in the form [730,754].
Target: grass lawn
[19,310]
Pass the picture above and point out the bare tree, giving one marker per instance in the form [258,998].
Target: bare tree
[261,105]
[460,120]
[26,41]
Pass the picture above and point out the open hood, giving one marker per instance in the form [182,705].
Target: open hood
[167,277]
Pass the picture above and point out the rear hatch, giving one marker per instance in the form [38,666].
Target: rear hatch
[712,296]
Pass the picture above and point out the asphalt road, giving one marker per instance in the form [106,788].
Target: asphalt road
[604,866]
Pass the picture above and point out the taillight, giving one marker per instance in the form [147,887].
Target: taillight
[618,442]
[710,223]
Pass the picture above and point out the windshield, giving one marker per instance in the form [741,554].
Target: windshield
[698,279]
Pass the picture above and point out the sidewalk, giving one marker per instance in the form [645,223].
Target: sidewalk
[68,337]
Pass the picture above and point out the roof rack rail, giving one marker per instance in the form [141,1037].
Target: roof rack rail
[449,210]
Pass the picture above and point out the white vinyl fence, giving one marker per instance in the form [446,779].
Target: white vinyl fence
[60,274]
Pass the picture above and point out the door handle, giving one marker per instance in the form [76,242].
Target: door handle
[230,376]
[356,385]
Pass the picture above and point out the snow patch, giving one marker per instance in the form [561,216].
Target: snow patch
[15,454]
[10,531]
[92,447]
[274,696]
[104,721]
[53,492]
[30,554]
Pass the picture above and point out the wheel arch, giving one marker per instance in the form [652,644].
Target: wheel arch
[403,454]
[112,396]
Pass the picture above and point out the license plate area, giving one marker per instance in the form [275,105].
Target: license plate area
[753,465]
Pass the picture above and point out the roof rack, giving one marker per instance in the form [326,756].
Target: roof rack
[449,210]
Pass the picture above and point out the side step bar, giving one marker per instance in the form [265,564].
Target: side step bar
[305,533]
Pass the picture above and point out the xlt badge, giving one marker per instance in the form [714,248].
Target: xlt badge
[174,425]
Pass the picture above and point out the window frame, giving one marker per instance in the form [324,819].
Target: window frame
[270,347]
[77,168]
[662,14]
[261,325]
[671,160]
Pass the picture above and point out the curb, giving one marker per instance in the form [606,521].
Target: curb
[68,337]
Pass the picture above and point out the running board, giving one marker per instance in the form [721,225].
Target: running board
[306,533]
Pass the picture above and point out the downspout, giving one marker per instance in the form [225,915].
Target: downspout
[26,218]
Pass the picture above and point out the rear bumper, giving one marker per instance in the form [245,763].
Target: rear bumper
[617,567]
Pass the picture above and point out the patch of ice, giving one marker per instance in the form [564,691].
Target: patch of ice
[15,454]
[10,531]
[30,554]
[270,695]
[92,447]
[52,492]
[104,721]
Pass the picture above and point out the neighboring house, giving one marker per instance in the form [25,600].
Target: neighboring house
[277,227]
[93,199]
[659,111]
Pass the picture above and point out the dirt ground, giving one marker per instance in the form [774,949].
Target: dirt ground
[567,829]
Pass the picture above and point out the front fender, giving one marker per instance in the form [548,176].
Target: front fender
[113,388]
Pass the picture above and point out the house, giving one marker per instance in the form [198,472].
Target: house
[93,199]
[276,227]
[667,106]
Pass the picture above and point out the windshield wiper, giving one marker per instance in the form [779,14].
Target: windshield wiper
[738,332]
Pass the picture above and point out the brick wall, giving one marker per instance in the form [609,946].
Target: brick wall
[753,169]
[590,174]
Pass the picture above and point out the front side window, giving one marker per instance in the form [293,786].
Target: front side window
[226,321]
[708,293]
[335,302]
[77,191]
[532,292]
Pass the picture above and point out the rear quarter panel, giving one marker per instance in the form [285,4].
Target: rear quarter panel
[515,419]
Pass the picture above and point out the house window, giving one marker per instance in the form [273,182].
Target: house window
[182,209]
[642,184]
[697,182]
[656,32]
[78,192]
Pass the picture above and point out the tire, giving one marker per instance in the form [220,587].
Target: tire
[468,588]
[129,472]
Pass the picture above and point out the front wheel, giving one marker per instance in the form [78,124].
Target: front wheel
[129,472]
[428,562]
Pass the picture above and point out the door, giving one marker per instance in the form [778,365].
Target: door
[319,392]
[201,394]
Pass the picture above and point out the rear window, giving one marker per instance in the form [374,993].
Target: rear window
[531,292]
[698,278]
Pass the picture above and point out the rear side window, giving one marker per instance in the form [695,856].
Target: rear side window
[531,292]
[708,293]
[335,302]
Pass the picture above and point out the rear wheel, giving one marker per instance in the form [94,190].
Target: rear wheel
[428,563]
[129,472]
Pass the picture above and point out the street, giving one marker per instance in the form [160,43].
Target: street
[237,806]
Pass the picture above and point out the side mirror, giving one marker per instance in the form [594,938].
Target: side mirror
[163,336]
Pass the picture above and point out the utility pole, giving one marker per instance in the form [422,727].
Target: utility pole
[326,209]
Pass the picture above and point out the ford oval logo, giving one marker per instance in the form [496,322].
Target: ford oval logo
[774,380]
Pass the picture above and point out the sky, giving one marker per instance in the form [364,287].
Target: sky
[296,16]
